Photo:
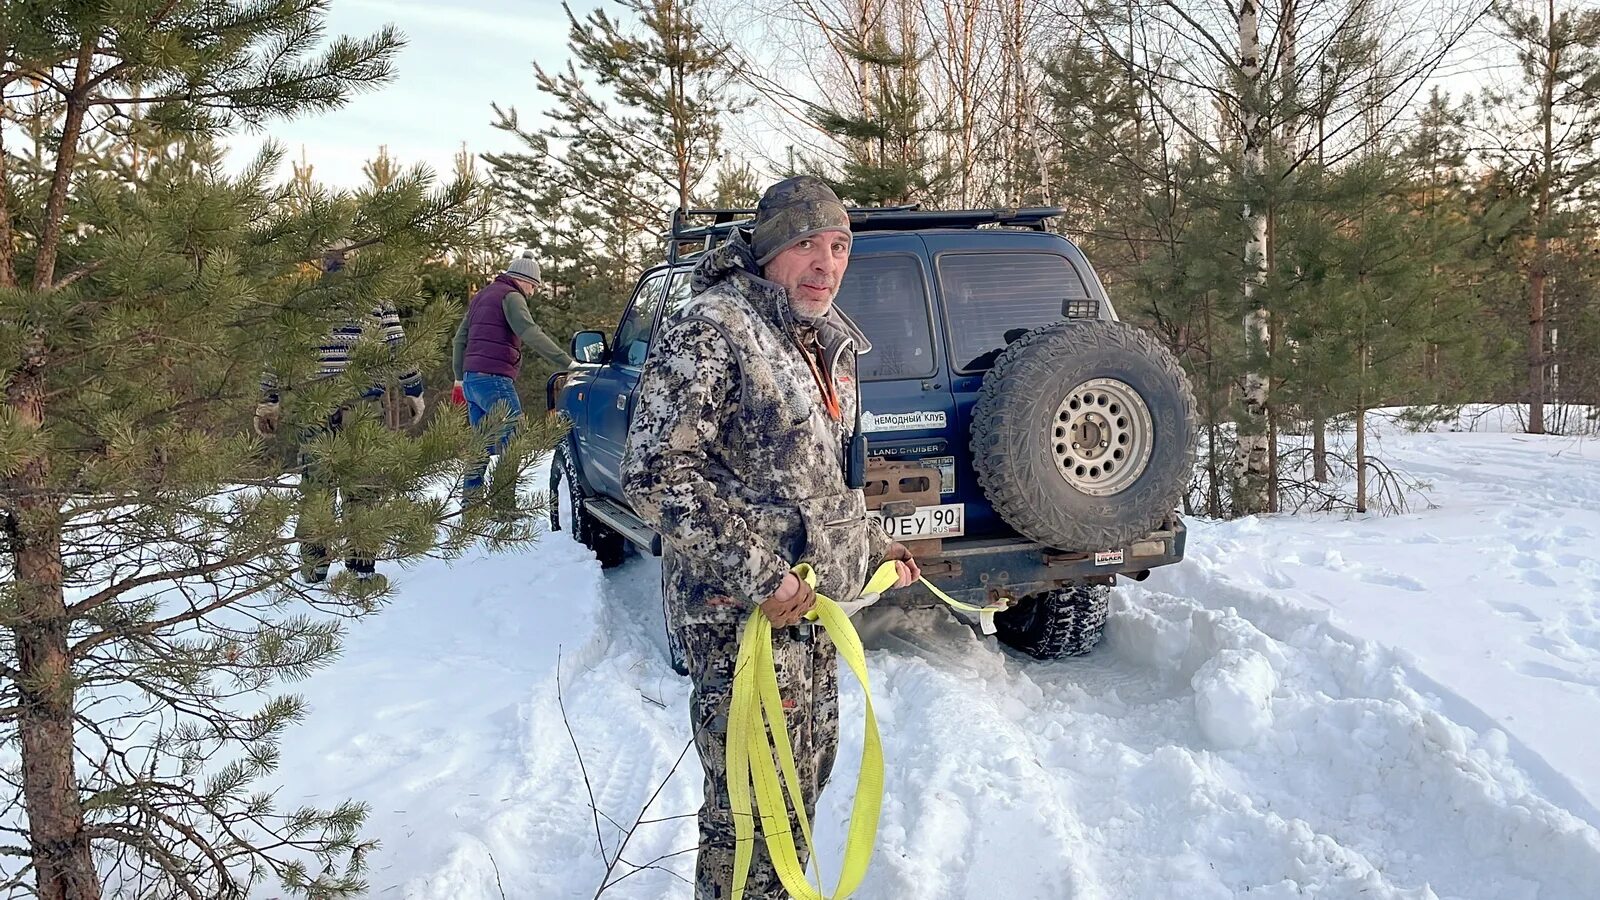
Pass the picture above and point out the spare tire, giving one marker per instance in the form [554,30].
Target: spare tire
[1083,437]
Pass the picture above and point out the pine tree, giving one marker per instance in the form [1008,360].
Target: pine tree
[1143,201]
[483,258]
[450,279]
[147,536]
[303,181]
[1375,286]
[887,160]
[1104,160]
[381,170]
[632,130]
[736,187]
[1575,357]
[1549,132]
[1467,355]
[1188,153]
[634,121]
[1368,294]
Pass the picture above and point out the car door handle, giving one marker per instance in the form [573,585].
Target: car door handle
[622,401]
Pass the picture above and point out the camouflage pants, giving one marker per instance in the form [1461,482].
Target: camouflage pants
[808,677]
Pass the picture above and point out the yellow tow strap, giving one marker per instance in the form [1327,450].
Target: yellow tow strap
[985,614]
[757,707]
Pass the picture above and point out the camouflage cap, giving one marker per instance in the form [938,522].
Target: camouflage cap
[792,210]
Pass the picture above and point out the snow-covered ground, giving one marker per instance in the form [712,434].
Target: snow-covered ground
[1404,706]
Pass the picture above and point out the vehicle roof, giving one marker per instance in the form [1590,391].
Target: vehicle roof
[979,237]
[974,238]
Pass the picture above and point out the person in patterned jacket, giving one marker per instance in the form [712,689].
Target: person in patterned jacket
[736,456]
[382,323]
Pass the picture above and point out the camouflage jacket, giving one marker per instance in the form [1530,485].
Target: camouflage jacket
[732,455]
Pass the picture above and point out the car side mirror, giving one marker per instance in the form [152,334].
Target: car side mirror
[589,347]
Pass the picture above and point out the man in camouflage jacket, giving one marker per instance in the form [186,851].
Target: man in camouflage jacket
[736,455]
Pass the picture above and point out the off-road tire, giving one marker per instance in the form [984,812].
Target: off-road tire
[1021,427]
[1050,625]
[609,546]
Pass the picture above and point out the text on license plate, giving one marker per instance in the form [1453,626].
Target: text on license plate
[947,520]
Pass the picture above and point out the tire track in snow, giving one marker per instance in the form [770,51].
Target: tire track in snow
[1090,779]
[1505,552]
[627,711]
[1221,743]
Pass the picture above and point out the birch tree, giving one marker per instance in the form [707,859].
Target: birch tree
[1235,83]
[1252,458]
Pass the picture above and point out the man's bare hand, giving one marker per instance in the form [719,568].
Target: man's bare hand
[904,565]
[790,603]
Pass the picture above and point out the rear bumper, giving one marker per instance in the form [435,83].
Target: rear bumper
[982,571]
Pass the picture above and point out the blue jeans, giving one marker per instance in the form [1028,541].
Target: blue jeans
[484,393]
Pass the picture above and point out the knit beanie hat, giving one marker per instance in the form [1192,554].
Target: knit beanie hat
[525,266]
[793,210]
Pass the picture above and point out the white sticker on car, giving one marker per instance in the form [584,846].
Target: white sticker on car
[1108,557]
[906,421]
[947,471]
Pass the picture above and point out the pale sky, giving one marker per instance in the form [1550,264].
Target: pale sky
[459,57]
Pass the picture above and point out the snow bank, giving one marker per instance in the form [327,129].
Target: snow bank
[1233,698]
[1328,706]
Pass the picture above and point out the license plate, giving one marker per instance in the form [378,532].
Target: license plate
[946,520]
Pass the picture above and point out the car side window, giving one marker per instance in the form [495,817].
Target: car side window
[678,293]
[633,335]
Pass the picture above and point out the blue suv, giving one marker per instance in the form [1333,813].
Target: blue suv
[1025,444]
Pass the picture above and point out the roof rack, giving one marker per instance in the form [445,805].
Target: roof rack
[910,217]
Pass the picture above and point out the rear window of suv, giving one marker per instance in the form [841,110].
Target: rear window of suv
[888,297]
[992,299]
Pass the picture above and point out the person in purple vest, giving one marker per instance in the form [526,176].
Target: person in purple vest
[488,354]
